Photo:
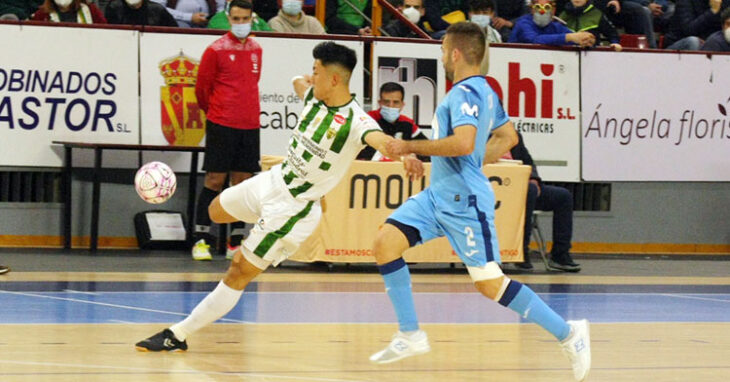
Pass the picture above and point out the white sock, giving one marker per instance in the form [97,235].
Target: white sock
[214,306]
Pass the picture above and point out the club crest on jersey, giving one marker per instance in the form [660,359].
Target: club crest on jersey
[331,132]
[233,57]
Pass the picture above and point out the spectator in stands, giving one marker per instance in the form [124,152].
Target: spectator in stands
[69,11]
[481,12]
[627,14]
[720,40]
[581,15]
[220,20]
[540,28]
[544,197]
[442,13]
[661,11]
[693,22]
[266,9]
[341,18]
[191,13]
[291,19]
[413,10]
[22,9]
[508,11]
[138,12]
[390,119]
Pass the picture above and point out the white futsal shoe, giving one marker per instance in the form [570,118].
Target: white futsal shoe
[578,348]
[402,346]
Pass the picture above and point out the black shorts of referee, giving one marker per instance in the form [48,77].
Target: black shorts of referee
[231,150]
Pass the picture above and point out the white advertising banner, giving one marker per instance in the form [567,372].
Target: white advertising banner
[655,117]
[65,84]
[415,66]
[167,121]
[539,90]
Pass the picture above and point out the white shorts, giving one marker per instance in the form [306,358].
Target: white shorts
[280,222]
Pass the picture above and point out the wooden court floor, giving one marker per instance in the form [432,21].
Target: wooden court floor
[338,351]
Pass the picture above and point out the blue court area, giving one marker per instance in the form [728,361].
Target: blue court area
[115,302]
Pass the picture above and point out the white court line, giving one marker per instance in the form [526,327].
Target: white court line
[174,371]
[110,305]
[695,297]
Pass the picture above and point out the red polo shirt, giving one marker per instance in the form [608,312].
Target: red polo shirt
[228,82]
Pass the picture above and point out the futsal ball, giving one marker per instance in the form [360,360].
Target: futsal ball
[155,182]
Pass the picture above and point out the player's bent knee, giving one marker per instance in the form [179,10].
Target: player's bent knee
[489,280]
[242,270]
[390,243]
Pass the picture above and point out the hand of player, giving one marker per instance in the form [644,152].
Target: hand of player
[413,167]
[397,147]
[199,18]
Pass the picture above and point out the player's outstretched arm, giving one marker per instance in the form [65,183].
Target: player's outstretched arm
[301,84]
[379,141]
[458,144]
[502,140]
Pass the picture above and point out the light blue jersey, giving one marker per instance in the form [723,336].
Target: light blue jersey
[459,203]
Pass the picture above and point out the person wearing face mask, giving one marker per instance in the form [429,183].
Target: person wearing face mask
[138,12]
[220,21]
[291,19]
[227,90]
[581,15]
[539,27]
[391,121]
[481,12]
[720,40]
[69,11]
[414,11]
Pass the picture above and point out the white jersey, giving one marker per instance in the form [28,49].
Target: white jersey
[323,146]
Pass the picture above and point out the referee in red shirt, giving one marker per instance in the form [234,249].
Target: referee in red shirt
[227,90]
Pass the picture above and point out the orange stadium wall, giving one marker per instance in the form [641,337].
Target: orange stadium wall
[668,169]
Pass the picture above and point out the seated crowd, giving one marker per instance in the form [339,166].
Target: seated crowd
[667,24]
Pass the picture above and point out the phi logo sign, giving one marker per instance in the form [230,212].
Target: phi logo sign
[470,110]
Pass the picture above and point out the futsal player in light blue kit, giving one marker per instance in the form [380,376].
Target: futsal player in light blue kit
[459,204]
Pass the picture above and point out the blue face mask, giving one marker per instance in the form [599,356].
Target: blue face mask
[291,7]
[241,30]
[481,20]
[390,114]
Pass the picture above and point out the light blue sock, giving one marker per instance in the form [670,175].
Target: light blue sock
[398,285]
[521,299]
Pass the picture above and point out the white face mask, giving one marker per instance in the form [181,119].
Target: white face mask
[412,14]
[291,7]
[241,30]
[542,20]
[63,3]
[133,3]
[389,114]
[727,35]
[481,20]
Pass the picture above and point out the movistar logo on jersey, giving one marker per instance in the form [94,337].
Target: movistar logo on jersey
[471,110]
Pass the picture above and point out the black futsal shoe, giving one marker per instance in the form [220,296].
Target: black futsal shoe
[162,341]
[4,269]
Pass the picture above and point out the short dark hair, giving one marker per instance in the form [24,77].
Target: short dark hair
[725,15]
[482,5]
[330,53]
[390,87]
[245,4]
[469,39]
